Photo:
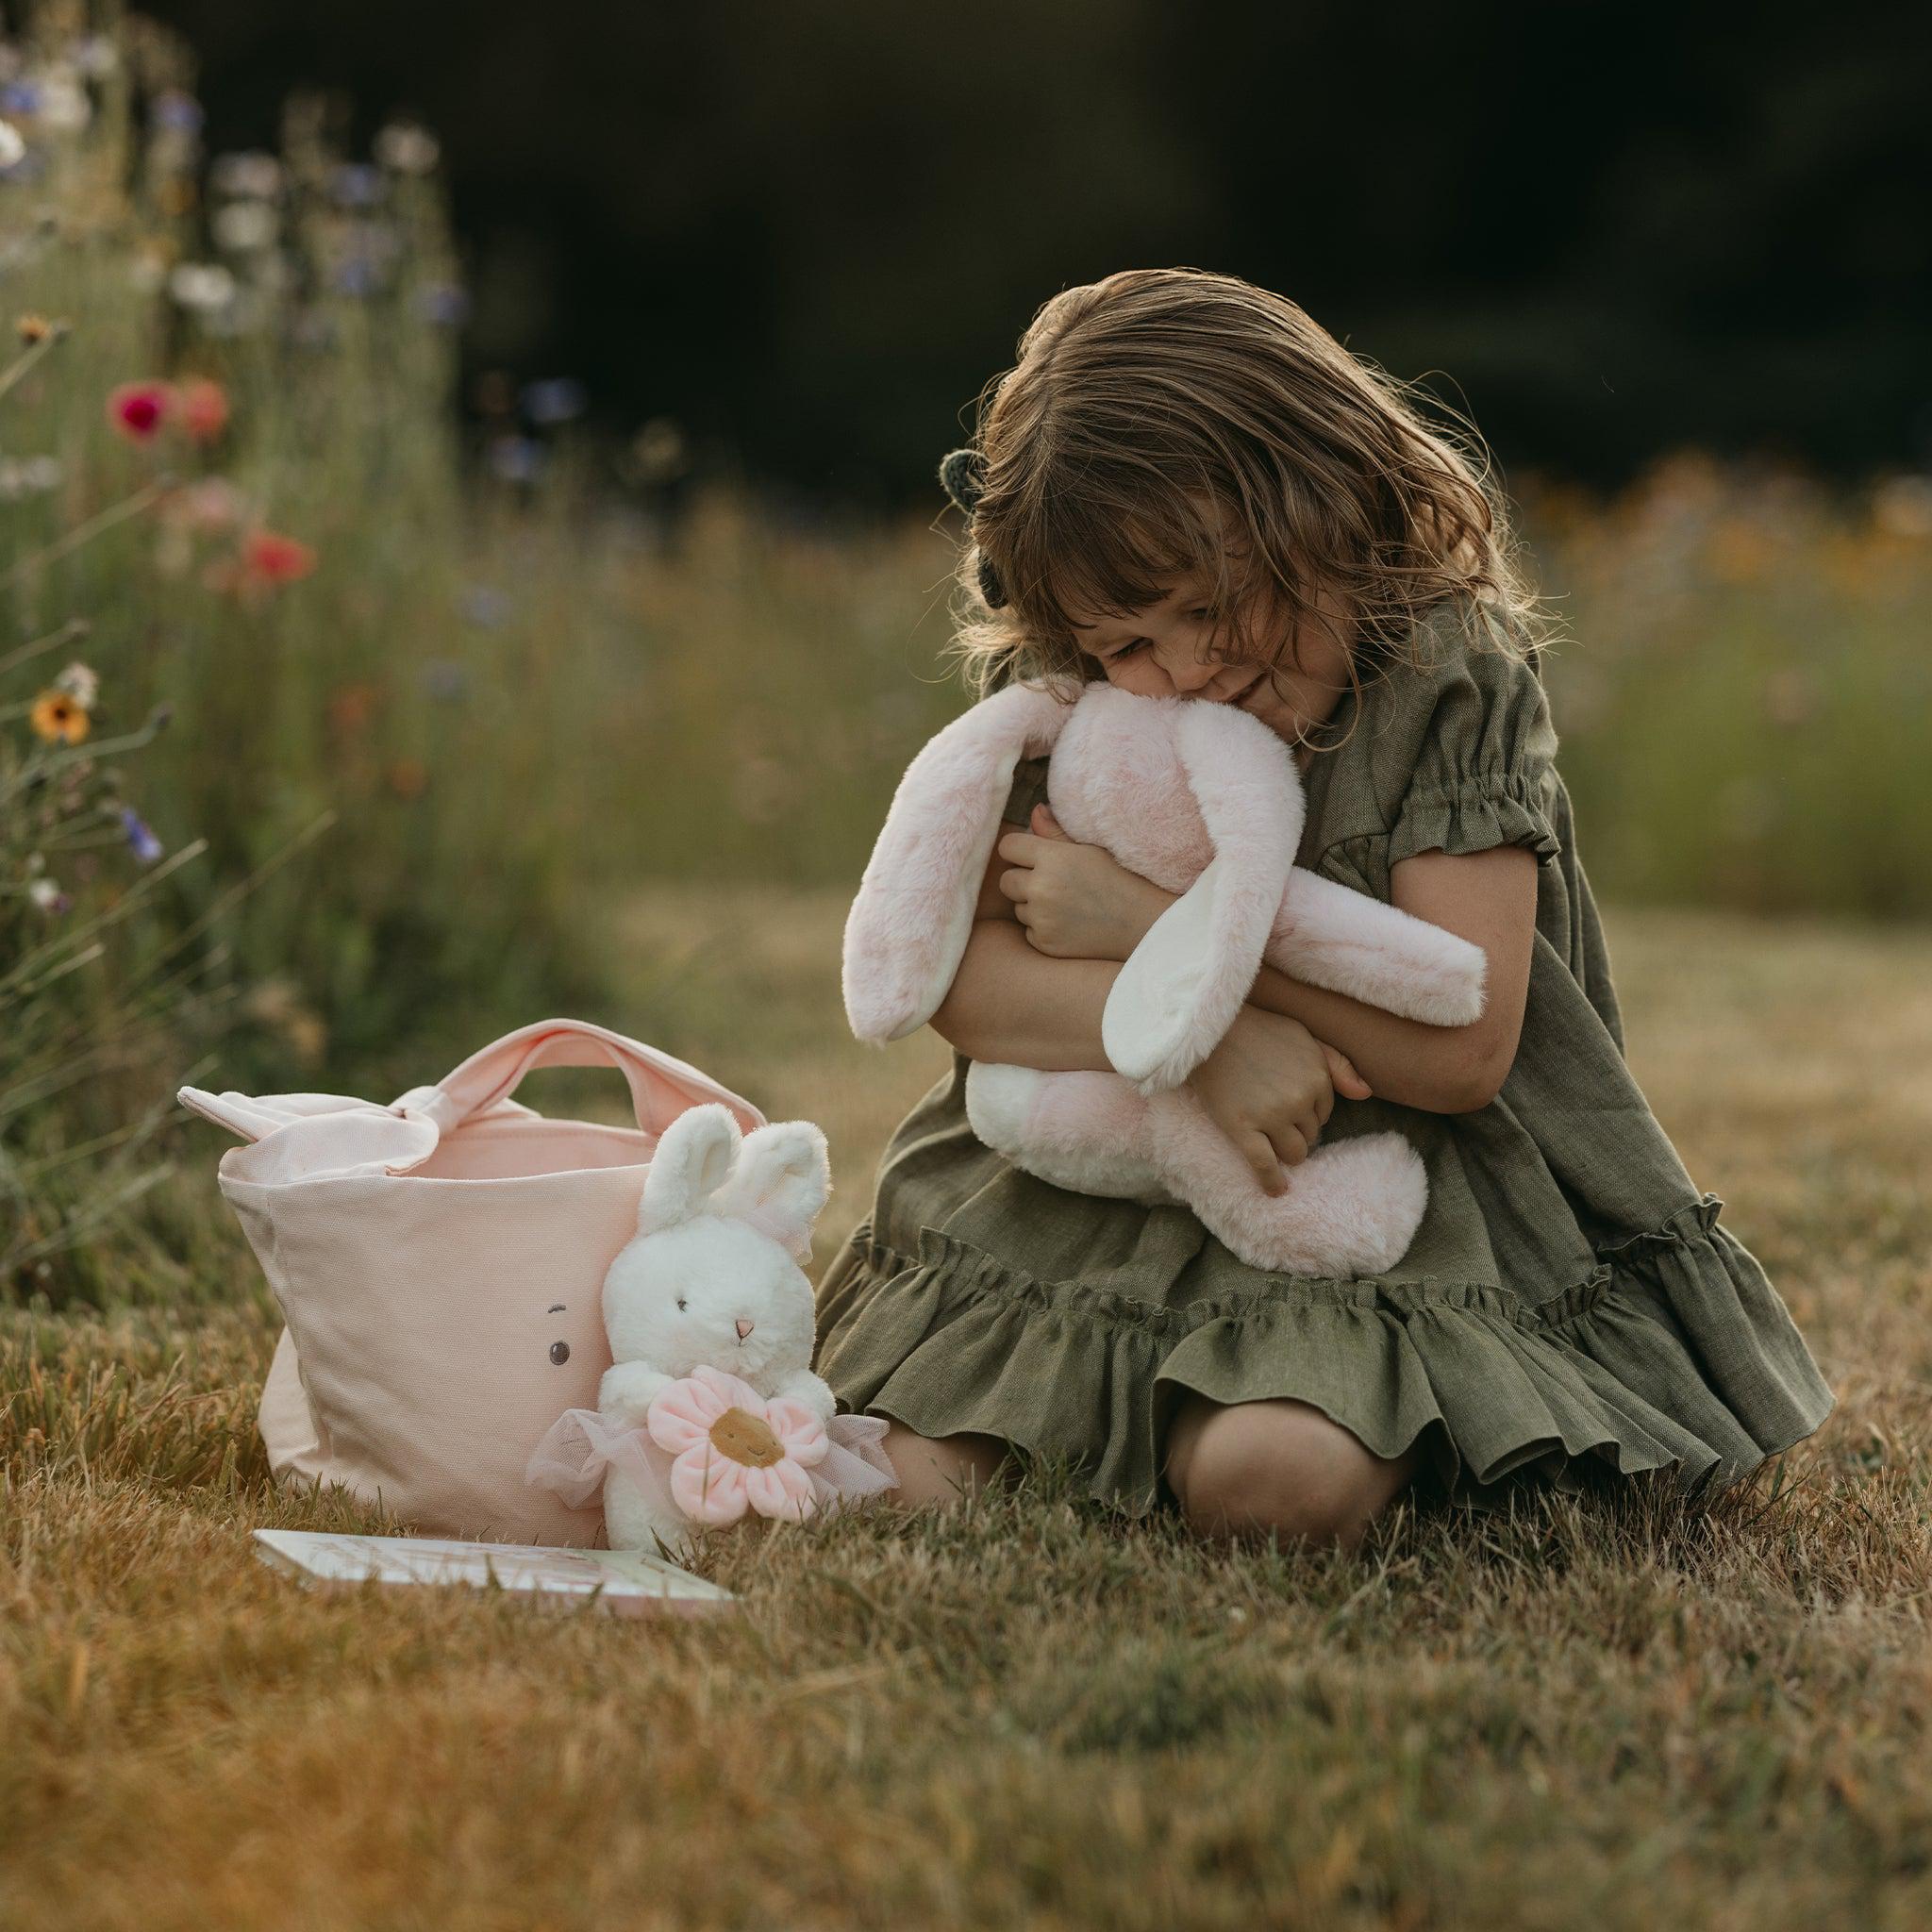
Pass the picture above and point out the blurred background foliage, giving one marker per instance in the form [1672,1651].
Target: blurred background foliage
[809,231]
[392,605]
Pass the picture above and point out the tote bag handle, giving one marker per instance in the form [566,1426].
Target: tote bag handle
[661,1087]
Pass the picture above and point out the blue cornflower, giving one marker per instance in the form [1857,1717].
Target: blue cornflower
[444,679]
[554,399]
[175,110]
[357,184]
[517,459]
[486,607]
[357,276]
[444,304]
[141,841]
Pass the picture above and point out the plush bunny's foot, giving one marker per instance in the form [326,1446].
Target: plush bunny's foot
[632,1523]
[1350,1210]
[1330,936]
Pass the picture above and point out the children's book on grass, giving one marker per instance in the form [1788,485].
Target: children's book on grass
[625,1581]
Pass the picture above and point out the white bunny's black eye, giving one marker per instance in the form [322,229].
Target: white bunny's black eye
[680,1305]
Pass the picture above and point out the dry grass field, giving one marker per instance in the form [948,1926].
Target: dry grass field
[433,704]
[1028,1713]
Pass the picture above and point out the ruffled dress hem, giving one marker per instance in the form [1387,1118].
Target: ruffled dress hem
[1673,1353]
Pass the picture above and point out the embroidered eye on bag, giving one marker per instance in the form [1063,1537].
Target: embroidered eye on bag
[439,1264]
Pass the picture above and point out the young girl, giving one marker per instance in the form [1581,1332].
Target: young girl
[1188,487]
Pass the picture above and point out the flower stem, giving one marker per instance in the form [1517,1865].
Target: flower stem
[74,627]
[142,499]
[23,363]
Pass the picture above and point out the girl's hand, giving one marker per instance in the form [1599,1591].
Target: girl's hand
[1270,1087]
[1076,901]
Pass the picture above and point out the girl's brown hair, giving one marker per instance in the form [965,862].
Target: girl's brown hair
[1163,422]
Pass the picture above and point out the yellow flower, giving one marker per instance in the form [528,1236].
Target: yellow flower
[59,718]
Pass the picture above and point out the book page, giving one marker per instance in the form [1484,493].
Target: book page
[622,1579]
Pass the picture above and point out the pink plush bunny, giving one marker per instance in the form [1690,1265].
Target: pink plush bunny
[1204,800]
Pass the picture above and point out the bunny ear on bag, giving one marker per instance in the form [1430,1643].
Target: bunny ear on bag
[781,1183]
[913,913]
[1178,993]
[692,1160]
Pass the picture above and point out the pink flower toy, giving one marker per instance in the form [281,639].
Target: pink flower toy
[732,1449]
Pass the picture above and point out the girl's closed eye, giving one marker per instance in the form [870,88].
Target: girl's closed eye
[1134,645]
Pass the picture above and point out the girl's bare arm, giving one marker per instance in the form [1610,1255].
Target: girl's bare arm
[1075,902]
[1269,1086]
[1015,1007]
[1083,909]
[1488,898]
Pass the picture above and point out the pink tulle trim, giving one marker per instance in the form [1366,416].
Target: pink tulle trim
[582,1446]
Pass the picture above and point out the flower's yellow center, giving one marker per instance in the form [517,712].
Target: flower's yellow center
[747,1439]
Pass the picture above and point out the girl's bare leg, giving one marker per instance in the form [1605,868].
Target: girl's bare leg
[941,1468]
[1249,1467]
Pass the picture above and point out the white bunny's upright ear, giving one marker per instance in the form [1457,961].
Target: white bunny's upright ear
[692,1160]
[781,1184]
[1179,992]
[909,922]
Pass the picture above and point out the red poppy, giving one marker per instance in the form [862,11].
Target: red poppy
[409,778]
[351,708]
[138,410]
[268,557]
[203,408]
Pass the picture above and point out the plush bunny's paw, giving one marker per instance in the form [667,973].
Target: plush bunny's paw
[627,1390]
[633,1521]
[801,1385]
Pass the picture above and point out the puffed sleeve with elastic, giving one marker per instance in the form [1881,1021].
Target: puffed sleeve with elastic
[1483,760]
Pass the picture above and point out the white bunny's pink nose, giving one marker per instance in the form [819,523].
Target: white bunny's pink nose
[744,1327]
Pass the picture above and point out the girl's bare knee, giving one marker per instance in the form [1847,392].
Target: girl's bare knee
[1280,1467]
[941,1468]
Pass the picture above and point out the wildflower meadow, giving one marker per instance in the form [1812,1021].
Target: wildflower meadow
[342,727]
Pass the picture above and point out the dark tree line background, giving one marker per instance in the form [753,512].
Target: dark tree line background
[809,229]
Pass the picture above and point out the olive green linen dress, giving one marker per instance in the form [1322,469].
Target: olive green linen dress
[1571,1309]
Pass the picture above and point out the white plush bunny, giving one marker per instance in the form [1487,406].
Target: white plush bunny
[712,1279]
[1204,800]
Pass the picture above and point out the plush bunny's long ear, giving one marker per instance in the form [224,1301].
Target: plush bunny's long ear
[1175,998]
[909,922]
[781,1184]
[692,1160]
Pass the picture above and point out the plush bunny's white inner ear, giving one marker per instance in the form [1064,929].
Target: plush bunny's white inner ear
[693,1158]
[781,1183]
[1178,993]
[1149,1008]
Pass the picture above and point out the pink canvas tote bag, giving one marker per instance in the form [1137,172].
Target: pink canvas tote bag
[440,1263]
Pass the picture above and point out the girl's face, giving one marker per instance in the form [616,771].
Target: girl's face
[1167,650]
